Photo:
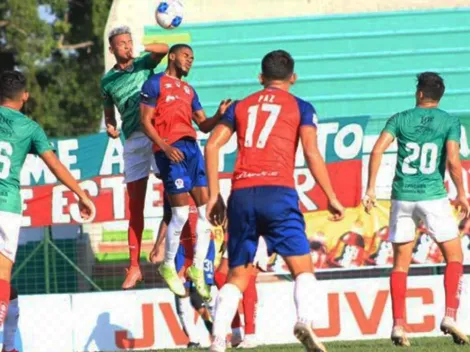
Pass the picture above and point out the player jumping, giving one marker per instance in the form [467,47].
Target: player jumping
[269,124]
[121,88]
[169,105]
[20,136]
[186,305]
[427,138]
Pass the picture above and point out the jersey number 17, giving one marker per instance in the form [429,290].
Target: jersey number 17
[274,111]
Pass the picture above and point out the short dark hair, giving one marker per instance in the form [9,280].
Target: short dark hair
[12,83]
[277,65]
[431,85]
[177,47]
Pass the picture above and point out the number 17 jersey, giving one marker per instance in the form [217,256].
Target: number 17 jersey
[421,135]
[267,124]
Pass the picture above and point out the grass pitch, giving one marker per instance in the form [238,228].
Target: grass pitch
[437,344]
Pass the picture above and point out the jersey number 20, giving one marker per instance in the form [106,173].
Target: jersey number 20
[427,155]
[274,111]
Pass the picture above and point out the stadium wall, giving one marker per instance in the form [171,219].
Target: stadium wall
[138,320]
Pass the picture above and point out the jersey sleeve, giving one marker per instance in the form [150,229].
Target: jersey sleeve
[454,130]
[146,61]
[107,99]
[150,92]
[391,126]
[308,115]
[39,142]
[229,117]
[196,104]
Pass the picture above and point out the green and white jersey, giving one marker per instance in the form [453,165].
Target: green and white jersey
[421,135]
[122,89]
[19,136]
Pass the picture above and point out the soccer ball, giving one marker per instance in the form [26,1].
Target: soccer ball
[169,13]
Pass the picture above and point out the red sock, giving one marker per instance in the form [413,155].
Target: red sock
[398,291]
[136,191]
[452,285]
[4,300]
[220,279]
[250,300]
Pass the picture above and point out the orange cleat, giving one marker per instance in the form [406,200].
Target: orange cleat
[133,276]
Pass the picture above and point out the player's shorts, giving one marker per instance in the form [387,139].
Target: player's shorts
[138,157]
[271,211]
[261,257]
[184,176]
[436,215]
[10,224]
[184,259]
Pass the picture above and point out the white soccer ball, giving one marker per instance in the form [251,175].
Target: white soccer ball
[169,13]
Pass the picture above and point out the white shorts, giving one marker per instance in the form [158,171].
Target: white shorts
[10,224]
[436,216]
[139,161]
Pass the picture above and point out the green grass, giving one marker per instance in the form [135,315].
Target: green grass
[121,236]
[429,344]
[117,257]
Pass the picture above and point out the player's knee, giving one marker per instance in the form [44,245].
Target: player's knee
[13,293]
[203,225]
[196,300]
[179,216]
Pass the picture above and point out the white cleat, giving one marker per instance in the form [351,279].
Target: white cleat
[449,326]
[399,337]
[307,337]
[218,345]
[248,342]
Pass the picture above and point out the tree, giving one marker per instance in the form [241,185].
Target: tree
[62,58]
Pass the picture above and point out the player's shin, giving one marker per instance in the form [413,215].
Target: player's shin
[452,285]
[179,218]
[398,291]
[203,233]
[304,288]
[186,314]
[225,308]
[250,300]
[11,325]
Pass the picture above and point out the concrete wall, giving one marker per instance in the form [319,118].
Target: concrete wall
[138,13]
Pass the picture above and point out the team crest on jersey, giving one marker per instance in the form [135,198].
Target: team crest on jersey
[167,85]
[186,90]
[179,183]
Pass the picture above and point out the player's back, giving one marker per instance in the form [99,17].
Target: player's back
[421,135]
[267,125]
[18,136]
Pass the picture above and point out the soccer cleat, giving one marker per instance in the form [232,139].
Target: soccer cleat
[399,337]
[307,337]
[248,342]
[197,277]
[174,282]
[236,339]
[194,345]
[133,276]
[218,345]
[448,326]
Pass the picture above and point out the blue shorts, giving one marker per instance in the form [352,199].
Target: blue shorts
[184,176]
[271,211]
[182,260]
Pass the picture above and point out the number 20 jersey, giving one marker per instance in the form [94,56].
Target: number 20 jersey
[267,124]
[421,134]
